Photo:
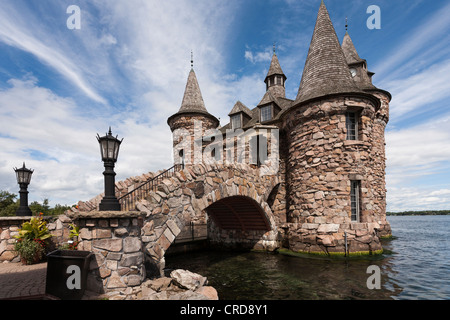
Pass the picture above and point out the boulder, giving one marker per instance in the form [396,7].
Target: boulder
[187,280]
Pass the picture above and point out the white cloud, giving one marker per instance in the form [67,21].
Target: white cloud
[440,192]
[430,33]
[20,33]
[264,56]
[418,162]
[418,93]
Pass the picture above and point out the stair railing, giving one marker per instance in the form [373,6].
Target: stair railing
[128,201]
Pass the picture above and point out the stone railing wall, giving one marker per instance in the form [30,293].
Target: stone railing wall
[115,240]
[9,227]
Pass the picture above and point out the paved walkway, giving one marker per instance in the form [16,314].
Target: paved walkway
[22,282]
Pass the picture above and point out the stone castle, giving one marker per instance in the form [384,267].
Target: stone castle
[331,197]
[305,175]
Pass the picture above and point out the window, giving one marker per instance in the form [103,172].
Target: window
[355,200]
[236,121]
[258,150]
[352,125]
[181,155]
[279,80]
[266,113]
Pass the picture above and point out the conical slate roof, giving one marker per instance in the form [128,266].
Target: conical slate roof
[326,70]
[192,99]
[352,57]
[275,67]
[350,53]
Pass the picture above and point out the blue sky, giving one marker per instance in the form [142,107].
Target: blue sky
[128,64]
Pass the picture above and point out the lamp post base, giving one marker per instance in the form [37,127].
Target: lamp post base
[109,204]
[24,212]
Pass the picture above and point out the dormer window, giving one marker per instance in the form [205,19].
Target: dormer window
[236,121]
[266,113]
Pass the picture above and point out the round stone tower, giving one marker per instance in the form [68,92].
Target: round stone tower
[335,163]
[190,123]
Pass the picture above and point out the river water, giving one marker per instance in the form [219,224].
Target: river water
[415,266]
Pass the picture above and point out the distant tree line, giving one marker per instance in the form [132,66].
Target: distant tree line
[420,213]
[9,203]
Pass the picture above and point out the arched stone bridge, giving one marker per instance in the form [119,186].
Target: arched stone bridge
[232,199]
[235,202]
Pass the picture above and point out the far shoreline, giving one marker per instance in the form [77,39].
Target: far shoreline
[420,213]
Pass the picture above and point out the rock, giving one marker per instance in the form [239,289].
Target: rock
[187,280]
[188,295]
[160,284]
[108,244]
[208,292]
[328,228]
[131,244]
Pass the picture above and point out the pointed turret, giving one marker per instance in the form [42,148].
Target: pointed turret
[358,66]
[326,70]
[193,100]
[350,53]
[275,78]
[190,124]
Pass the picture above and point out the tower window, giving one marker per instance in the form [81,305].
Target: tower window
[236,121]
[355,200]
[279,80]
[266,113]
[351,120]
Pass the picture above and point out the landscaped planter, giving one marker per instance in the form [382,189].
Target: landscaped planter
[67,272]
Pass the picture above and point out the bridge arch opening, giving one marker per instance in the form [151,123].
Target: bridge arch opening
[239,222]
[238,213]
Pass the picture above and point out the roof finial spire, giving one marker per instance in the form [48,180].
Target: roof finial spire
[192,59]
[346,24]
[274,47]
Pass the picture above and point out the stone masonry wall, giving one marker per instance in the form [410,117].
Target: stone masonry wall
[320,165]
[116,241]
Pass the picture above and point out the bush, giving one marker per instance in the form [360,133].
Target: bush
[30,251]
[32,240]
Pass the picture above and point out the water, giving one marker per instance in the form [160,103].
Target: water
[416,266]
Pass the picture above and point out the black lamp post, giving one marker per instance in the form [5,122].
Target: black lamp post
[109,148]
[23,176]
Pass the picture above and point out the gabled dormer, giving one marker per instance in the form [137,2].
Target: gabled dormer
[268,108]
[240,115]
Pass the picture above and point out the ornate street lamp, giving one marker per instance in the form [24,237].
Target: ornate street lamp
[109,148]
[23,176]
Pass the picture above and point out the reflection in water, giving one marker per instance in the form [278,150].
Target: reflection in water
[416,265]
[263,276]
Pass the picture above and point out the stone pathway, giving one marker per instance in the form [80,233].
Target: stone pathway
[22,282]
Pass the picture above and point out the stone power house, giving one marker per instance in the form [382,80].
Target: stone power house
[327,194]
[331,147]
